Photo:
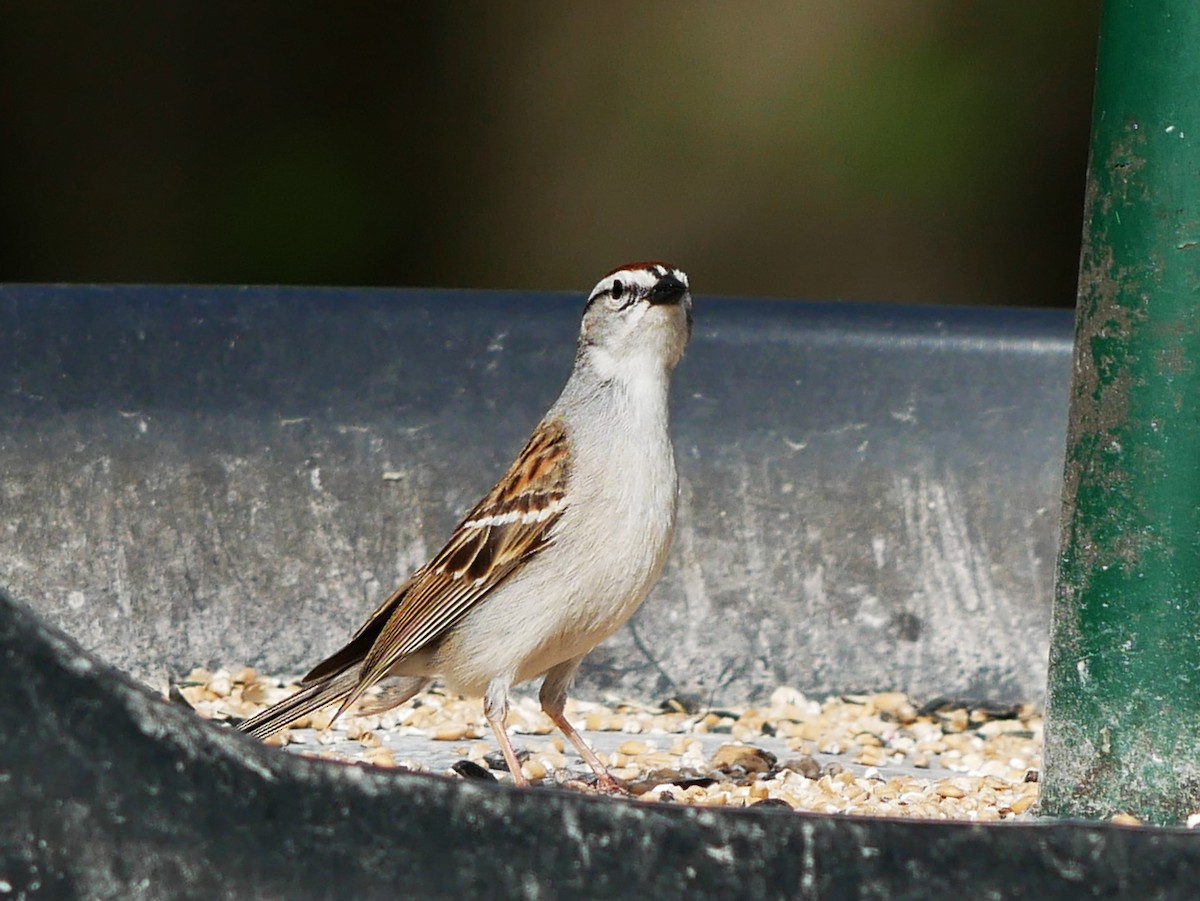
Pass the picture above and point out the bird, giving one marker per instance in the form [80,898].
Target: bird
[558,555]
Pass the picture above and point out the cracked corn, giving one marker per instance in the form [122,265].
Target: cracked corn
[891,757]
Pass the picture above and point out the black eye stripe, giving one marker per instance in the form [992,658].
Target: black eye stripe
[626,286]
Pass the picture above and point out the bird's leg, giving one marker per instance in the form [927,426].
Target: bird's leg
[554,701]
[495,708]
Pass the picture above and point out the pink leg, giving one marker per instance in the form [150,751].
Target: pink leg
[495,708]
[554,701]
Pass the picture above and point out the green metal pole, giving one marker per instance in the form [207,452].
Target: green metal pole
[1123,711]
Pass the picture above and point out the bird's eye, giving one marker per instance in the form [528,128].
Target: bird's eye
[618,288]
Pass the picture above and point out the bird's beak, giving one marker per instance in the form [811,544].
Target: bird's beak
[668,290]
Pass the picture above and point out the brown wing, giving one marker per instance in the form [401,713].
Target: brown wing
[509,526]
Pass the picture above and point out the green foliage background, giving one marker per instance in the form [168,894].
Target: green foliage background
[922,151]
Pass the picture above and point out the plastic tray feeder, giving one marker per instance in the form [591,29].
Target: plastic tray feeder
[193,476]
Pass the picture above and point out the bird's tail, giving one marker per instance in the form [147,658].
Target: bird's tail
[332,690]
[305,701]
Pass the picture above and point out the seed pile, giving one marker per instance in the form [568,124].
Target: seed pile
[872,754]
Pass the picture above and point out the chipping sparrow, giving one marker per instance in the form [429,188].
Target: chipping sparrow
[559,554]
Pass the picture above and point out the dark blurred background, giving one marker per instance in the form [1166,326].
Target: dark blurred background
[928,151]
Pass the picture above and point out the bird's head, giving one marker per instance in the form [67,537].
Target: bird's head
[637,318]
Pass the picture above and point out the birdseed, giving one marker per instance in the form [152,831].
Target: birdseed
[871,754]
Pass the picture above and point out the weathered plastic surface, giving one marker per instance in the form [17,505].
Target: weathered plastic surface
[220,475]
[196,475]
[109,793]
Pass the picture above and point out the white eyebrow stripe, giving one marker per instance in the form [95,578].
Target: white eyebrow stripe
[640,279]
